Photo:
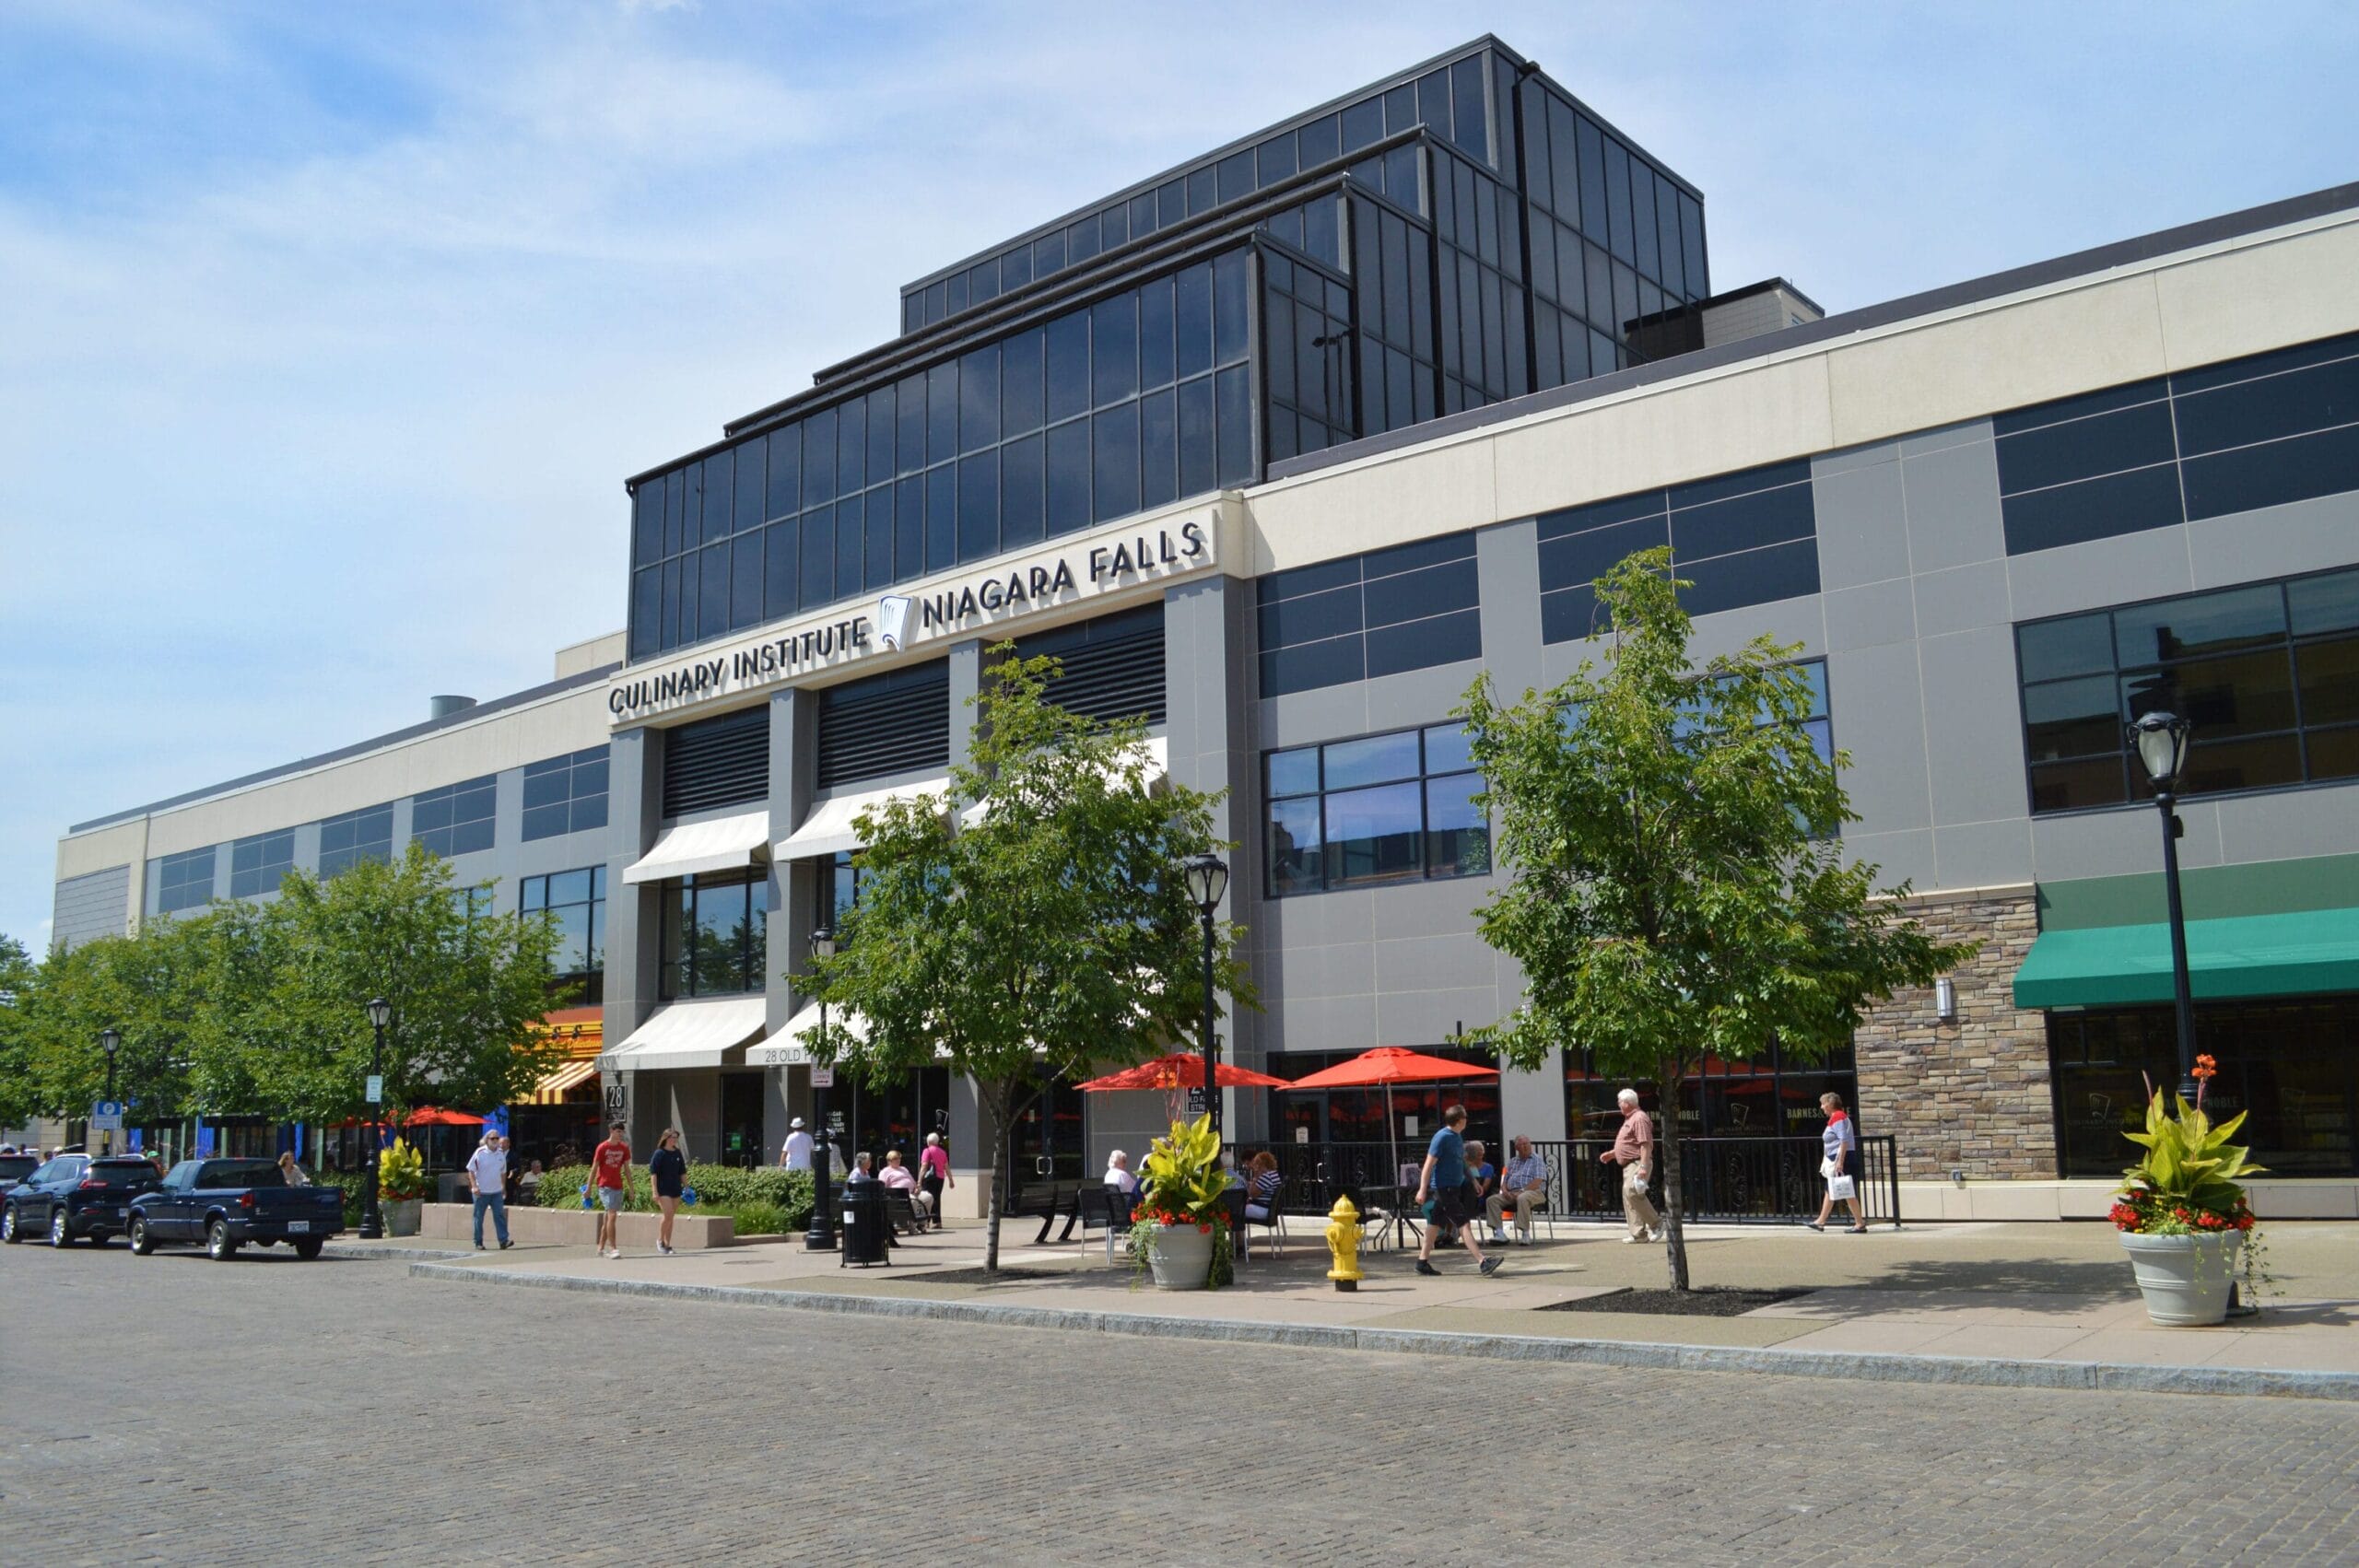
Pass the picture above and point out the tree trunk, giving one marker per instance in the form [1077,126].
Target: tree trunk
[1674,1207]
[996,1105]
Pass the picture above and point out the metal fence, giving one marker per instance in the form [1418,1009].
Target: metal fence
[1722,1180]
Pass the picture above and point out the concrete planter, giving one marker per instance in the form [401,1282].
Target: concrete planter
[577,1226]
[2184,1279]
[1181,1258]
[400,1215]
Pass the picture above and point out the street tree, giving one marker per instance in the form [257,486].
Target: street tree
[19,1100]
[1032,925]
[136,984]
[1676,884]
[468,984]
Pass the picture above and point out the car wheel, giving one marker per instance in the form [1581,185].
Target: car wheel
[8,1231]
[60,1233]
[306,1250]
[142,1243]
[217,1245]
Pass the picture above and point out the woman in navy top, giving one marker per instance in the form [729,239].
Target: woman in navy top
[668,1169]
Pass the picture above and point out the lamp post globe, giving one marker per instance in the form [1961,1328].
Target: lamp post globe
[372,1221]
[820,1235]
[109,1041]
[1207,879]
[2160,740]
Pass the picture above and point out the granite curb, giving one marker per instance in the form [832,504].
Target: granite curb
[1860,1365]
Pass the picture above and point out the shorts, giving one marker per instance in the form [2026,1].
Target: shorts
[612,1198]
[1449,1206]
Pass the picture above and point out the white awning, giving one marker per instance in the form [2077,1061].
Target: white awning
[714,845]
[828,829]
[691,1034]
[1158,769]
[786,1048]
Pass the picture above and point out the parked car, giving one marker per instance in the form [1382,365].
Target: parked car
[15,1168]
[224,1204]
[75,1196]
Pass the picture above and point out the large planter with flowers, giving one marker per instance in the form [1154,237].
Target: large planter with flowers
[401,1188]
[2182,1212]
[1179,1230]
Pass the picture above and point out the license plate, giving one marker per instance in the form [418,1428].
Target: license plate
[295,1227]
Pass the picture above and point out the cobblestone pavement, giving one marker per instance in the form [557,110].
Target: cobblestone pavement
[171,1410]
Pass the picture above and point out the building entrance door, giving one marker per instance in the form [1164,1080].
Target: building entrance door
[740,1118]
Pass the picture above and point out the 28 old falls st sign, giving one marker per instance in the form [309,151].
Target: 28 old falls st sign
[1017,588]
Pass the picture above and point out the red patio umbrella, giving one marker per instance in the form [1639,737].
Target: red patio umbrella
[429,1116]
[1182,1071]
[1388,1065]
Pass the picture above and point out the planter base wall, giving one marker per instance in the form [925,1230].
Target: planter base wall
[578,1227]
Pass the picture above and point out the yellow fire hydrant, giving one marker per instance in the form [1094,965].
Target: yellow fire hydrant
[1343,1245]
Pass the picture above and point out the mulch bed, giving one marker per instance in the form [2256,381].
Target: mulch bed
[1709,1301]
[985,1277]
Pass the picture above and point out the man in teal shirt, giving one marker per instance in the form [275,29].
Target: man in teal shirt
[1443,1179]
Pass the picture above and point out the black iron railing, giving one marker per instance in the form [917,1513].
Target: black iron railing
[1722,1180]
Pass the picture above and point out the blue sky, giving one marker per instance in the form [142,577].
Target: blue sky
[329,332]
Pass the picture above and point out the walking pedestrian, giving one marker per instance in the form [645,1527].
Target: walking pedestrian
[933,1174]
[610,1174]
[487,1179]
[1634,1151]
[796,1153]
[668,1168]
[1840,1141]
[1443,1178]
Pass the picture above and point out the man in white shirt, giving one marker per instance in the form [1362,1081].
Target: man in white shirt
[487,1179]
[796,1156]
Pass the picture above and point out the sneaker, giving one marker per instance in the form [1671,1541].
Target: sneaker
[478,1247]
[1632,1241]
[1491,1266]
[1425,1268]
[505,1245]
[1657,1234]
[665,1247]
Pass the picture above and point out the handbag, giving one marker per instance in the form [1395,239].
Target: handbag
[688,1196]
[1841,1187]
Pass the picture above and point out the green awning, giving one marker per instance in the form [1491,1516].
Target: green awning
[2251,955]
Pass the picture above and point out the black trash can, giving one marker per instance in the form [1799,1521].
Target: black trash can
[866,1228]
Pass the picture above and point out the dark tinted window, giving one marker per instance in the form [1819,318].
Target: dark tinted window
[455,819]
[123,1173]
[239,1172]
[1385,808]
[1407,608]
[354,837]
[2268,675]
[259,864]
[185,881]
[1738,539]
[567,795]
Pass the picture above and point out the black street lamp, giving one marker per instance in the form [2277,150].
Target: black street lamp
[1208,879]
[109,1041]
[373,1222]
[821,1236]
[2161,742]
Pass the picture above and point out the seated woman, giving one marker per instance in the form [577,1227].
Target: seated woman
[1120,1176]
[1262,1184]
[899,1176]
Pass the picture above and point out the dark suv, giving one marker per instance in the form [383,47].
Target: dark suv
[74,1196]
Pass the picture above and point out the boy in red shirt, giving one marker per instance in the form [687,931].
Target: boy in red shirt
[609,1167]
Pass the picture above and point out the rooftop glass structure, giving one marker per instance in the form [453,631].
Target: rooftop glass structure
[1461,233]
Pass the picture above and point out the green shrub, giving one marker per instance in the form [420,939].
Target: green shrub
[349,1184]
[720,1189]
[758,1219]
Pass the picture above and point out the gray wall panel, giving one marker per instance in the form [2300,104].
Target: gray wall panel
[1953,500]
[1872,616]
[1961,598]
[1973,720]
[2303,536]
[1983,854]
[2102,572]
[95,904]
[1872,694]
[1863,522]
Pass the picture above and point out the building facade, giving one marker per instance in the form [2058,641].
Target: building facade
[1285,448]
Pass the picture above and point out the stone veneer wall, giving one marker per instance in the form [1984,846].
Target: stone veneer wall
[1972,1095]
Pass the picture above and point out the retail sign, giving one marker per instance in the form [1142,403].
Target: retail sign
[1022,585]
[823,1078]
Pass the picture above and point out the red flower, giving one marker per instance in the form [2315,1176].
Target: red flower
[2205,1069]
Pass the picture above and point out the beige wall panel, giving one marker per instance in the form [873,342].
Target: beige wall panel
[2288,290]
[2024,352]
[103,849]
[576,658]
[1691,430]
[500,741]
[1385,501]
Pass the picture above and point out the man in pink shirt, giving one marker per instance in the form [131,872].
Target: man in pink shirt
[1634,1151]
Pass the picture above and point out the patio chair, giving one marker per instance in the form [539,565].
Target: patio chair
[902,1210]
[1274,1222]
[1102,1206]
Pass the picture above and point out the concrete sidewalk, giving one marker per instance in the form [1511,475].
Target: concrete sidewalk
[2005,1296]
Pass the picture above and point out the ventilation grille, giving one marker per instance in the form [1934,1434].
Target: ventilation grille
[888,724]
[717,762]
[1111,667]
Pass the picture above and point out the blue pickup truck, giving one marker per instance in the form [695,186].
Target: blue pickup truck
[224,1204]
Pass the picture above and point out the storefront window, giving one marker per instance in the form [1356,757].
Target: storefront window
[2288,1063]
[1357,1116]
[1769,1097]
